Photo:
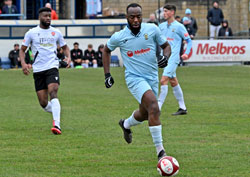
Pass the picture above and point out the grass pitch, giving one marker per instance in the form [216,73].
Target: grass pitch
[213,140]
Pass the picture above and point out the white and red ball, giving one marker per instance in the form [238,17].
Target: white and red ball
[168,166]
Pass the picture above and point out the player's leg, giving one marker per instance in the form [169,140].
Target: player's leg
[178,93]
[94,63]
[43,100]
[137,86]
[42,91]
[169,72]
[149,103]
[164,91]
[53,81]
[136,118]
[85,63]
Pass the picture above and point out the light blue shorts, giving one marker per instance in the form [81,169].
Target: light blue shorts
[170,70]
[138,86]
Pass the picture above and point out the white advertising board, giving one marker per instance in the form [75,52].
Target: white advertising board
[219,51]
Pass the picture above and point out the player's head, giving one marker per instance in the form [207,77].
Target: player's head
[45,16]
[169,11]
[90,47]
[76,45]
[178,18]
[16,46]
[134,16]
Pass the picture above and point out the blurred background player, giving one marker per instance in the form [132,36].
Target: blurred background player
[99,55]
[14,57]
[76,55]
[137,42]
[89,58]
[43,40]
[174,32]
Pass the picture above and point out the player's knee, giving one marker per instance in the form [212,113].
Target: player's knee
[154,108]
[43,103]
[173,82]
[94,62]
[164,81]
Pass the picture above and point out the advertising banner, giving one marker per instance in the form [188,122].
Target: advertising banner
[219,51]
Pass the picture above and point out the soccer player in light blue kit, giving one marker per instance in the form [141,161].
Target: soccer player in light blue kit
[174,32]
[138,42]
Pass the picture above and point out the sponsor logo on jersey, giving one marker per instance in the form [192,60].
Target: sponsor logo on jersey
[130,53]
[170,39]
[138,52]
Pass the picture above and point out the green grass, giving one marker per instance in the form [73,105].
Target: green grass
[213,140]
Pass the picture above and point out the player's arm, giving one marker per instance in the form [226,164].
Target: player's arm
[182,32]
[109,81]
[66,52]
[25,67]
[189,46]
[163,60]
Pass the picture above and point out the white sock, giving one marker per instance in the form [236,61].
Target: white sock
[157,137]
[179,96]
[131,121]
[48,108]
[163,95]
[56,110]
[94,65]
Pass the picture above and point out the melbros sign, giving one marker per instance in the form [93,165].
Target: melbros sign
[219,50]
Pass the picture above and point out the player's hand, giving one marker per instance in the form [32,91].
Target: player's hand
[109,81]
[26,68]
[68,61]
[184,56]
[162,61]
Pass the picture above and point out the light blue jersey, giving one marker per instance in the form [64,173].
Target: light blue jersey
[138,52]
[139,57]
[175,33]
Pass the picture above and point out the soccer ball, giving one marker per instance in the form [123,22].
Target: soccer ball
[168,166]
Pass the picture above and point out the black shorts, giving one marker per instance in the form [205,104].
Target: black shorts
[44,78]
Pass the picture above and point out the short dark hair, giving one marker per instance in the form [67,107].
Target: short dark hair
[170,7]
[76,43]
[44,9]
[133,5]
[215,1]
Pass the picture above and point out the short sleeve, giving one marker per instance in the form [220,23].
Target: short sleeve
[160,39]
[27,39]
[61,40]
[113,42]
[183,32]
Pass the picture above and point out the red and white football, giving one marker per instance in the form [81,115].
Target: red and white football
[168,166]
